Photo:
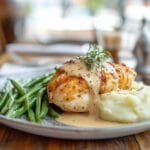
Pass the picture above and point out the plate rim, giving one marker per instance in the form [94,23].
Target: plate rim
[64,127]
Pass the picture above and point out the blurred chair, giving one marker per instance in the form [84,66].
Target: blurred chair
[2,36]
[8,15]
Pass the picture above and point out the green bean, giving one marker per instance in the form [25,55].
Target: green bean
[12,99]
[37,80]
[32,91]
[19,112]
[31,115]
[19,88]
[44,108]
[46,80]
[52,112]
[21,91]
[26,99]
[14,107]
[1,94]
[9,102]
[4,98]
[38,105]
[5,107]
[26,102]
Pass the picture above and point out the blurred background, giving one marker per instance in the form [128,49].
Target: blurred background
[41,33]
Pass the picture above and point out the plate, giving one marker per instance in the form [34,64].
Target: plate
[51,128]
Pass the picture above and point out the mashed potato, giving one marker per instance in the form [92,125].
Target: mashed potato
[126,105]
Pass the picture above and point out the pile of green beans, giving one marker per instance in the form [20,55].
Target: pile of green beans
[28,99]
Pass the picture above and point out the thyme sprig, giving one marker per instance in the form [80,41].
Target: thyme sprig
[95,57]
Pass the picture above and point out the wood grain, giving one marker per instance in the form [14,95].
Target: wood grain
[11,139]
[4,58]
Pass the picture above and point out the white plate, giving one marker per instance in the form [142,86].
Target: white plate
[52,128]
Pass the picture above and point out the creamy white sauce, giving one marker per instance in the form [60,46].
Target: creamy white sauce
[109,68]
[85,120]
[92,77]
[78,68]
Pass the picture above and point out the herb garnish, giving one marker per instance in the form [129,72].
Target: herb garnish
[95,57]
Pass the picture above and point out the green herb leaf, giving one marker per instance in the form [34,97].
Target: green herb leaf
[95,57]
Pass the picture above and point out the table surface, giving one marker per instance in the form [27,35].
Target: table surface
[11,139]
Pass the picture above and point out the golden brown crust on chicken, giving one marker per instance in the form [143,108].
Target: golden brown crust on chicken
[108,82]
[121,78]
[125,74]
[71,85]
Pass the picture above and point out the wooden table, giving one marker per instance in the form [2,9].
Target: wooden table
[11,139]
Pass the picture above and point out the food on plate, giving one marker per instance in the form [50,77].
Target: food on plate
[94,85]
[72,83]
[26,98]
[69,92]
[126,105]
[89,91]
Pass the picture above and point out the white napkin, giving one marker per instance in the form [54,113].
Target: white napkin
[9,68]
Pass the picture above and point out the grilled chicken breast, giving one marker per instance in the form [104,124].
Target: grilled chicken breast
[71,91]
